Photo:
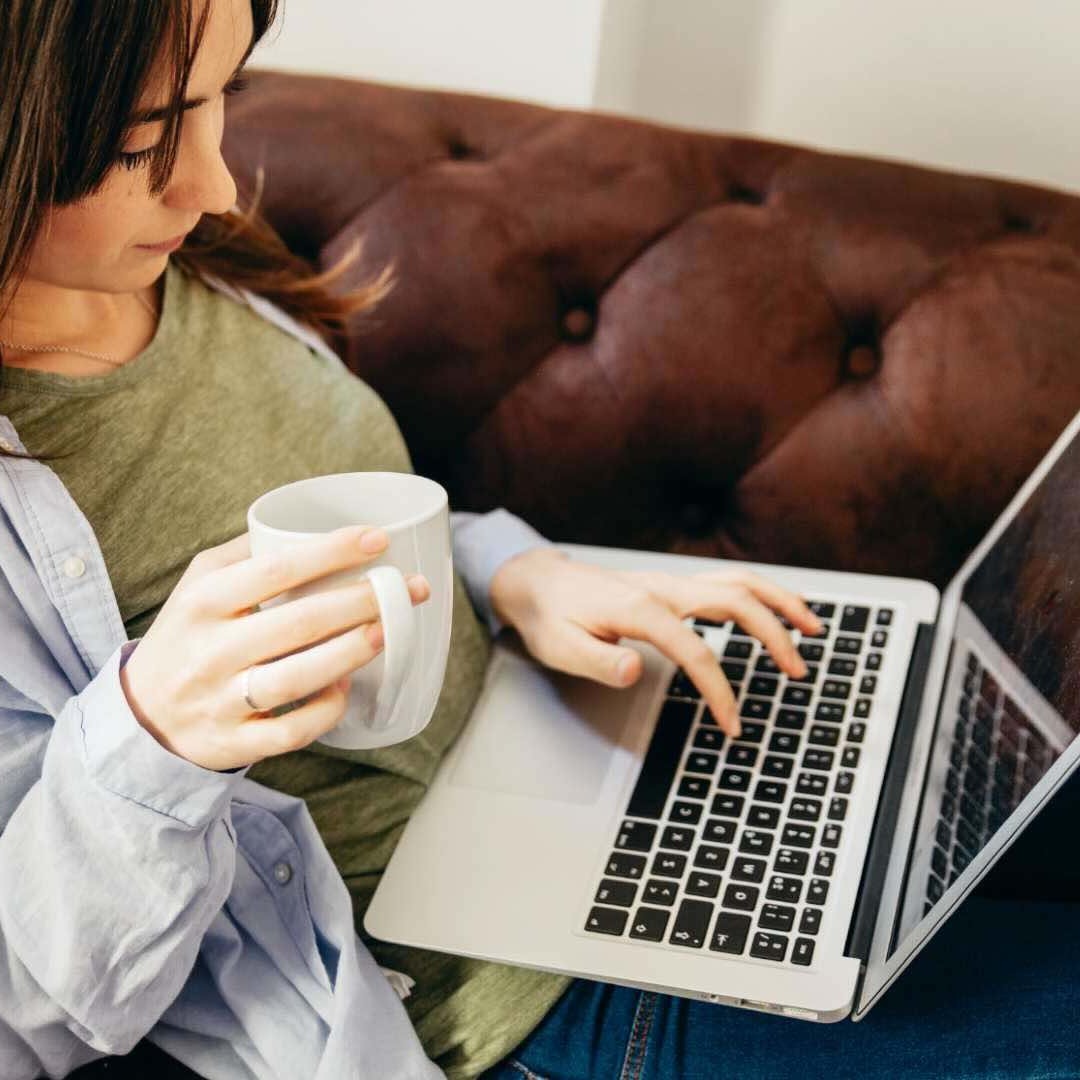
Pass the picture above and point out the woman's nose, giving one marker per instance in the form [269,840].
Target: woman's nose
[201,181]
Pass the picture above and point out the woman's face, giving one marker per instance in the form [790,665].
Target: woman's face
[118,239]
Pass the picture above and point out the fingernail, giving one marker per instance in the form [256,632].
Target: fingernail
[624,670]
[373,540]
[375,635]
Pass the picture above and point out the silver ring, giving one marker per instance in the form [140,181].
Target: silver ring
[247,691]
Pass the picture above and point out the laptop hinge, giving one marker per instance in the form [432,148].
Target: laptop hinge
[888,809]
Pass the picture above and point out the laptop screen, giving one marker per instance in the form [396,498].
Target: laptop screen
[1011,700]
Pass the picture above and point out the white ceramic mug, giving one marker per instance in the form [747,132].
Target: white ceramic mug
[392,698]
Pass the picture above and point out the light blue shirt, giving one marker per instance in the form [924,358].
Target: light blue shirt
[140,894]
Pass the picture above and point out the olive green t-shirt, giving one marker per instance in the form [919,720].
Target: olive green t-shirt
[168,451]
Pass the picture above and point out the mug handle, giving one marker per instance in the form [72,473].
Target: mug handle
[399,632]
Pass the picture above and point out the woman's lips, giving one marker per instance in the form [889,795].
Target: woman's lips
[165,247]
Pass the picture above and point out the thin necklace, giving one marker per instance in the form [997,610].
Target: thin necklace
[114,361]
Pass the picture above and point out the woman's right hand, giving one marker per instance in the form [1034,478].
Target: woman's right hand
[184,680]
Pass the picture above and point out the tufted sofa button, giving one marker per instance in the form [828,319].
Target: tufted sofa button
[578,324]
[862,362]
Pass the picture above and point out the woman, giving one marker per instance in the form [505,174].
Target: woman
[165,860]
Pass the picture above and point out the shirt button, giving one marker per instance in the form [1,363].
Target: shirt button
[282,873]
[74,567]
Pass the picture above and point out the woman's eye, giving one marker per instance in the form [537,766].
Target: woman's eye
[138,158]
[237,83]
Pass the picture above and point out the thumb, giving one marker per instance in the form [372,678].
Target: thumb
[577,652]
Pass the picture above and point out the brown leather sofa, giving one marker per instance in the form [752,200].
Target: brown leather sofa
[653,338]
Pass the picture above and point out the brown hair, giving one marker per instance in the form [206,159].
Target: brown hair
[71,74]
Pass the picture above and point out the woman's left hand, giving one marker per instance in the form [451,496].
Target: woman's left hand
[571,616]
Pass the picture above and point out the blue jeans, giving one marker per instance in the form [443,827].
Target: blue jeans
[995,994]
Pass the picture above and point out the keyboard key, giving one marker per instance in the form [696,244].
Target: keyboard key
[691,924]
[934,889]
[791,861]
[617,893]
[625,866]
[791,719]
[810,652]
[711,858]
[728,806]
[885,617]
[783,742]
[768,946]
[661,760]
[635,836]
[743,756]
[818,759]
[719,831]
[853,619]
[837,809]
[848,646]
[660,892]
[801,836]
[821,609]
[700,762]
[856,732]
[804,810]
[763,817]
[786,889]
[666,865]
[844,668]
[873,661]
[748,870]
[709,738]
[845,781]
[809,678]
[779,768]
[777,917]
[803,952]
[649,924]
[849,758]
[868,684]
[694,787]
[755,843]
[730,933]
[755,709]
[817,891]
[685,813]
[823,735]
[812,784]
[836,688]
[762,686]
[771,791]
[734,671]
[741,897]
[797,695]
[824,863]
[810,922]
[703,885]
[678,839]
[734,780]
[738,650]
[879,639]
[862,708]
[607,921]
[829,713]
[752,733]
[682,687]
[939,861]
[830,836]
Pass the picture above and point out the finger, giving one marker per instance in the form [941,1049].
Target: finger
[308,671]
[260,738]
[652,621]
[758,620]
[215,558]
[577,652]
[789,604]
[236,588]
[284,628]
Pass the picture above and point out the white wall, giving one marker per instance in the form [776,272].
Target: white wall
[978,85]
[540,50]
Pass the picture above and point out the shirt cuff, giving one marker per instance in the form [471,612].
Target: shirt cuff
[482,544]
[125,759]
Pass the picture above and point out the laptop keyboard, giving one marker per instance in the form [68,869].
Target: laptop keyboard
[729,846]
[997,757]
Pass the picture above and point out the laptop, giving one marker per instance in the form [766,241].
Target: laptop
[619,835]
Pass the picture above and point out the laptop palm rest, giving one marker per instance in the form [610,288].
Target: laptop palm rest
[538,734]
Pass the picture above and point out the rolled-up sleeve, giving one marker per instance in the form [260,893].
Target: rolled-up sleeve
[113,863]
[484,542]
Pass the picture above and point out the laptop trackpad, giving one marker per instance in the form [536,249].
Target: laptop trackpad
[541,734]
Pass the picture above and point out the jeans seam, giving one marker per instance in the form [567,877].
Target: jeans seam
[638,1045]
[525,1071]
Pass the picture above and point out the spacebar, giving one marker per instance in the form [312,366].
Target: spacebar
[662,759]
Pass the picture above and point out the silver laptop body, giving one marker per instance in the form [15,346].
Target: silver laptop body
[616,835]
